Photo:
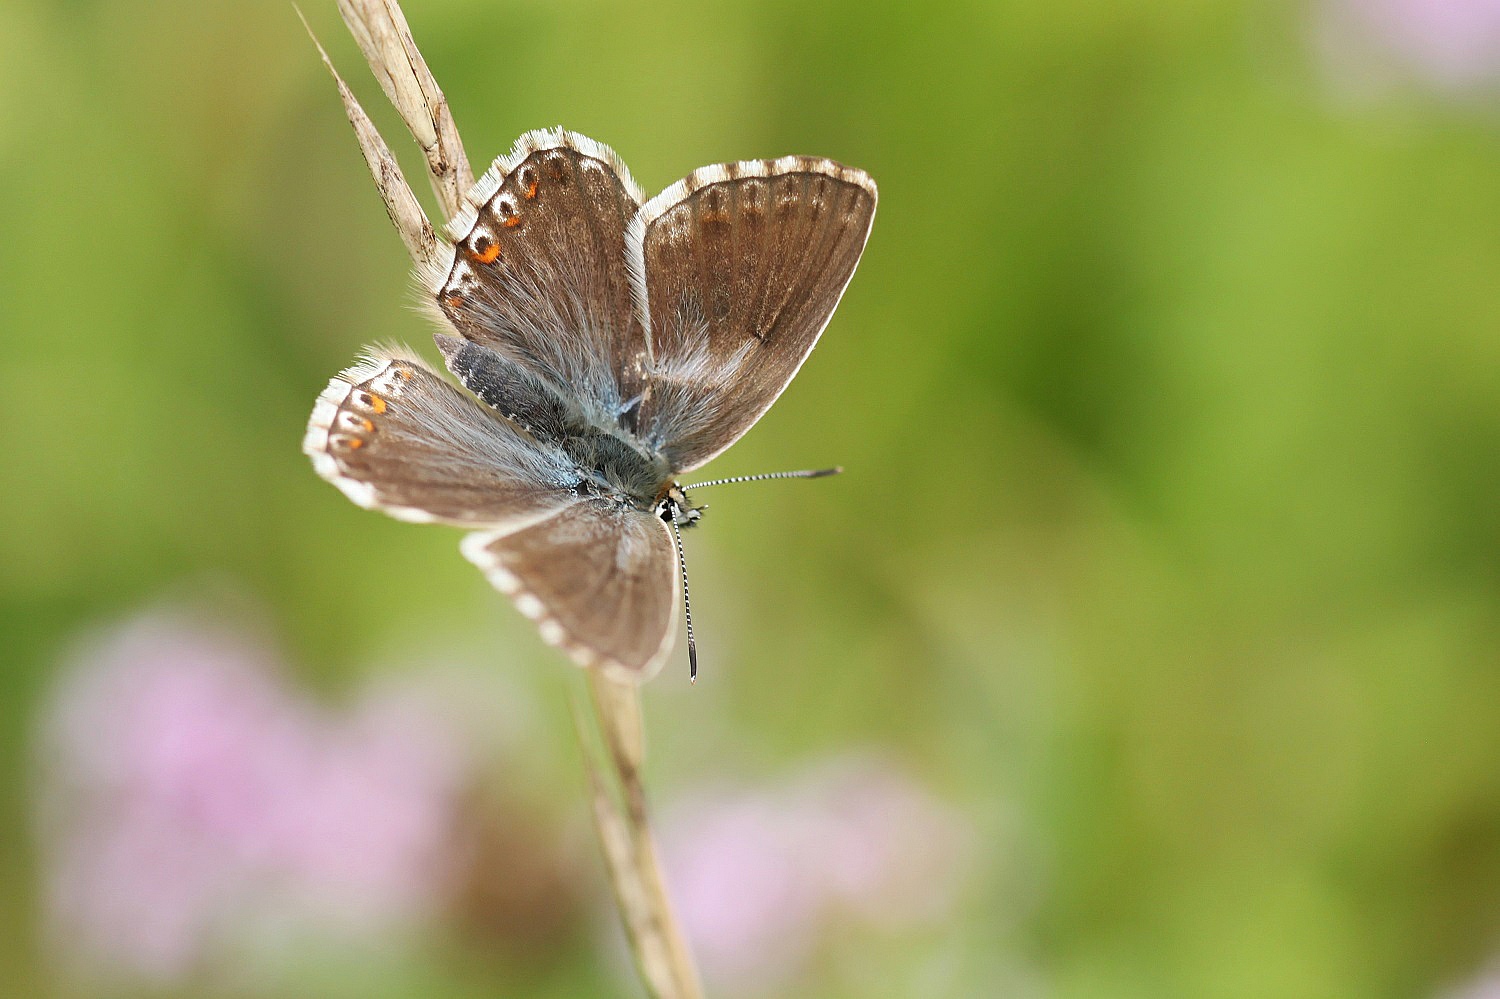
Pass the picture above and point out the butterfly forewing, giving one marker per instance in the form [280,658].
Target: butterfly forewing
[737,269]
[599,578]
[539,268]
[395,436]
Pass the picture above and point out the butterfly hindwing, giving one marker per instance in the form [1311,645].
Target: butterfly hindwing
[599,578]
[736,270]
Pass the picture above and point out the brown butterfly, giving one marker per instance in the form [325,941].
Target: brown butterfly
[612,343]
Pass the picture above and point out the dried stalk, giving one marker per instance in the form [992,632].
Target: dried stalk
[422,242]
[379,27]
[619,806]
[661,950]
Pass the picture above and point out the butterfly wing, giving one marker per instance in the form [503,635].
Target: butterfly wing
[538,271]
[736,269]
[599,578]
[395,436]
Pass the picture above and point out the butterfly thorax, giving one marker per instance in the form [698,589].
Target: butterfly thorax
[608,464]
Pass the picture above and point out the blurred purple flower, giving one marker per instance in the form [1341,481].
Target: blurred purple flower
[1452,44]
[193,805]
[759,874]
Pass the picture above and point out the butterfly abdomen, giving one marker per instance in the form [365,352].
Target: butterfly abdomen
[509,388]
[607,463]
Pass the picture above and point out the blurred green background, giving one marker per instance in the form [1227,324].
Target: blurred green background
[1168,387]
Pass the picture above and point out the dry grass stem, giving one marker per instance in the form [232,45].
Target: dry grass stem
[379,27]
[427,250]
[624,822]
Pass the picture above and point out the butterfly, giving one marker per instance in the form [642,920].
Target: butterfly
[608,344]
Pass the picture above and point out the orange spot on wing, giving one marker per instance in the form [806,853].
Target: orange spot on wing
[377,404]
[355,444]
[512,222]
[453,302]
[531,189]
[488,255]
[406,372]
[369,425]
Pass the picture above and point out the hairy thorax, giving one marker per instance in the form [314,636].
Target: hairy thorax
[610,465]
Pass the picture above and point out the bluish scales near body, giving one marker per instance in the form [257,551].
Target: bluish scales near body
[610,344]
[608,461]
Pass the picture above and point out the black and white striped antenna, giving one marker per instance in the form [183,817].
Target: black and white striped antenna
[687,606]
[810,473]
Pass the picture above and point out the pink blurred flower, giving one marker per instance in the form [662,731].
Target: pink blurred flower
[194,806]
[1452,44]
[760,873]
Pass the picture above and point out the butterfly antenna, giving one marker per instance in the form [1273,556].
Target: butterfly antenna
[810,473]
[687,605]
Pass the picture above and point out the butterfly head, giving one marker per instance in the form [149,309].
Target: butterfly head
[674,505]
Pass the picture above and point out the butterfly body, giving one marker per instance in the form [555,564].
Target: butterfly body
[608,344]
